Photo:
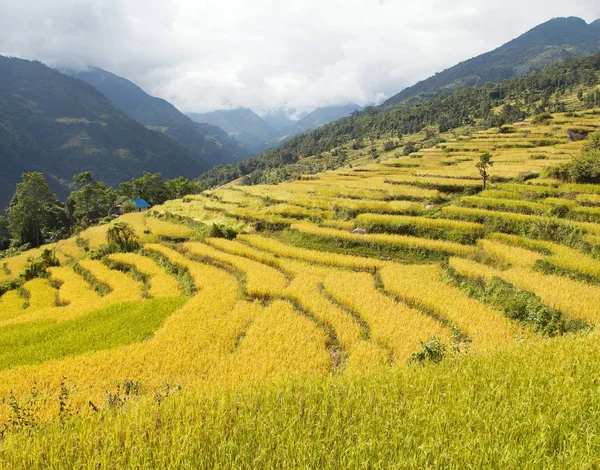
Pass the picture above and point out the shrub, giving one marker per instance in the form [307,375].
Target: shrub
[222,231]
[37,267]
[122,236]
[543,118]
[585,168]
[432,350]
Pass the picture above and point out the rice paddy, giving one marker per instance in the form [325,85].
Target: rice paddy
[327,283]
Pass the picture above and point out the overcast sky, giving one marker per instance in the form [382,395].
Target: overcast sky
[265,54]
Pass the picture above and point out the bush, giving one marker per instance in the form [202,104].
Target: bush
[543,118]
[389,145]
[585,168]
[122,236]
[37,267]
[222,231]
[409,148]
[433,350]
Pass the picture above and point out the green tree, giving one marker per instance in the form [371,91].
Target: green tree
[90,201]
[34,211]
[122,236]
[4,233]
[585,167]
[149,187]
[176,188]
[485,161]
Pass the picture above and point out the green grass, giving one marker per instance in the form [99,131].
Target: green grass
[529,406]
[117,325]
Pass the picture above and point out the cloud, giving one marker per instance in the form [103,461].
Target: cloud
[268,54]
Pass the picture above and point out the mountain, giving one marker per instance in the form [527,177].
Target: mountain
[259,134]
[214,146]
[242,124]
[549,42]
[319,117]
[279,119]
[329,146]
[62,126]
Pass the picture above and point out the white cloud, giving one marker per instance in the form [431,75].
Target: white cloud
[266,54]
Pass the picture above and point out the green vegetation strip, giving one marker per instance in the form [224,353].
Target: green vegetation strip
[516,304]
[107,328]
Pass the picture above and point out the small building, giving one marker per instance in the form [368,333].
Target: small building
[141,205]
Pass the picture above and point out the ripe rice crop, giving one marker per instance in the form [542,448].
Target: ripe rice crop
[11,267]
[41,294]
[398,327]
[433,182]
[480,215]
[575,299]
[588,199]
[525,188]
[74,290]
[385,239]
[390,207]
[445,224]
[560,202]
[510,254]
[11,305]
[311,256]
[261,280]
[560,255]
[161,283]
[167,229]
[124,288]
[423,286]
[505,204]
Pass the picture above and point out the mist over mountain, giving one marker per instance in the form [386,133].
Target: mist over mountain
[549,42]
[209,144]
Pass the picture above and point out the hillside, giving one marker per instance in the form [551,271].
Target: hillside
[549,42]
[211,145]
[298,332]
[63,126]
[328,146]
[242,124]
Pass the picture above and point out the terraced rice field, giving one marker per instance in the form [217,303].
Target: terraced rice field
[342,275]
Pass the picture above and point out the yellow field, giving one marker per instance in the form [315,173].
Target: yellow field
[299,293]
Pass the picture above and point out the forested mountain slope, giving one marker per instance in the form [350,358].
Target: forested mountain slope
[520,97]
[549,42]
[62,126]
[209,144]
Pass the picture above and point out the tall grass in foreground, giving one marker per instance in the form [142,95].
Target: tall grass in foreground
[531,406]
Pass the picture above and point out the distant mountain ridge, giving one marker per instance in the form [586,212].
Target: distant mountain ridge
[210,144]
[258,134]
[243,124]
[552,41]
[320,117]
[62,126]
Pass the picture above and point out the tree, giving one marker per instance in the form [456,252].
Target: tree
[485,161]
[585,167]
[4,233]
[34,211]
[122,236]
[176,188]
[148,187]
[91,200]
